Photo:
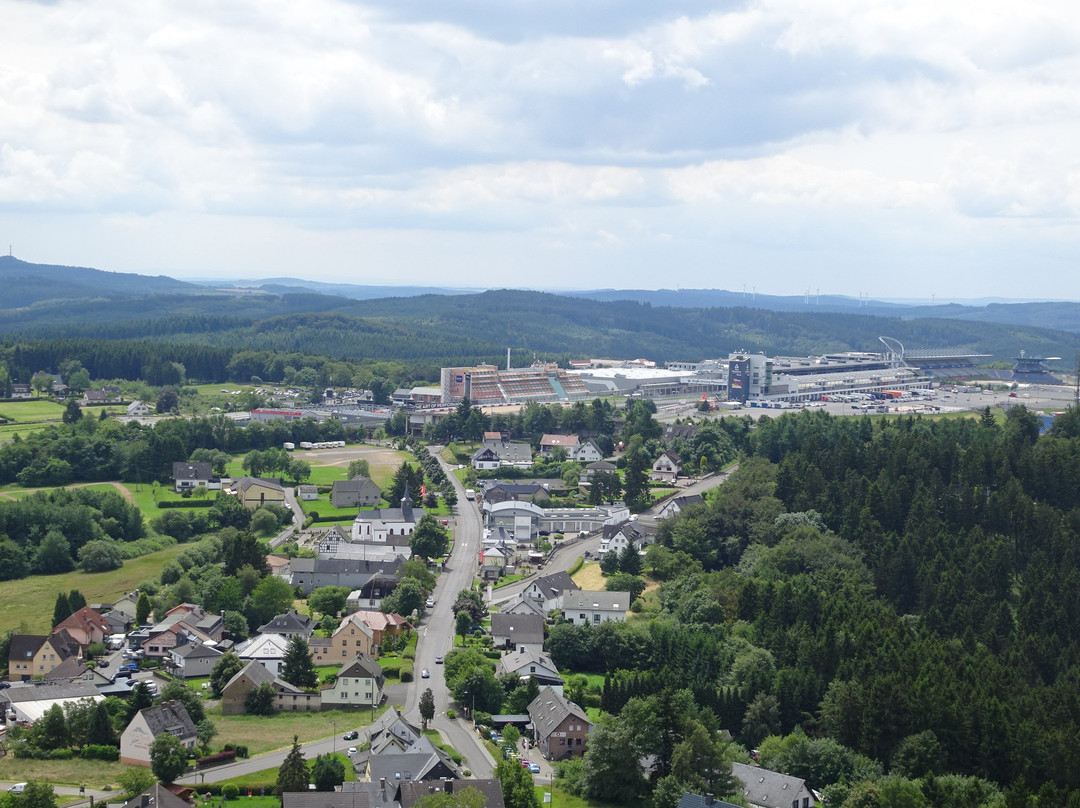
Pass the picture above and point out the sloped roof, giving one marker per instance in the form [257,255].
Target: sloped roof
[259,674]
[551,708]
[157,796]
[169,716]
[519,628]
[515,661]
[263,646]
[556,583]
[45,690]
[192,471]
[702,801]
[491,788]
[362,666]
[587,599]
[765,787]
[24,646]
[290,622]
[244,483]
[196,650]
[86,619]
[559,440]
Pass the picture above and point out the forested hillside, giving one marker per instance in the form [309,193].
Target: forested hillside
[908,589]
[434,330]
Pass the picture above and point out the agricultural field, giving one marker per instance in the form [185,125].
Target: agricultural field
[24,417]
[27,603]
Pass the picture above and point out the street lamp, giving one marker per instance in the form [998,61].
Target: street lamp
[334,725]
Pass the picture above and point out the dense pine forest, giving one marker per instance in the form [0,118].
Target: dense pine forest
[902,595]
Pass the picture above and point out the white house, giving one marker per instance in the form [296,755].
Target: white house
[139,408]
[667,467]
[587,607]
[169,716]
[676,505]
[528,663]
[587,452]
[548,590]
[267,649]
[359,684]
[193,659]
[382,525]
[616,538]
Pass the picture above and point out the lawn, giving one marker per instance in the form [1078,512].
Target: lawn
[27,604]
[437,740]
[29,412]
[564,799]
[268,777]
[323,507]
[94,774]
[266,733]
[590,577]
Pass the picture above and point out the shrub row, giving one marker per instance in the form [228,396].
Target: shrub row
[186,503]
[26,751]
[406,671]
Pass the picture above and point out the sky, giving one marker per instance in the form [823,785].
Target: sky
[892,148]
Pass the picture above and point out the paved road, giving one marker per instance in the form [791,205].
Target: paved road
[566,555]
[437,633]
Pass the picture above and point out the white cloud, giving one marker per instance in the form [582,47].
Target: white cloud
[666,133]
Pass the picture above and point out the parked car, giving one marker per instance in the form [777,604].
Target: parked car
[438,660]
[18,788]
[352,751]
[534,768]
[430,602]
[424,674]
[103,664]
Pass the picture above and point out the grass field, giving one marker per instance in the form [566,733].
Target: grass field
[94,774]
[25,412]
[590,577]
[268,777]
[266,733]
[564,799]
[28,602]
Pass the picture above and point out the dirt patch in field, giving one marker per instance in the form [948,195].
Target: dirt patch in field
[590,577]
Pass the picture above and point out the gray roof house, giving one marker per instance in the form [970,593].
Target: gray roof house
[677,505]
[517,631]
[547,590]
[595,607]
[290,624]
[410,792]
[764,788]
[359,492]
[157,796]
[530,664]
[169,716]
[193,659]
[560,727]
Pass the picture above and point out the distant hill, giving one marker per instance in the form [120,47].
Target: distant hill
[282,286]
[25,284]
[454,326]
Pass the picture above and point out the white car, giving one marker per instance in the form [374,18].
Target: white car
[352,751]
[18,788]
[430,602]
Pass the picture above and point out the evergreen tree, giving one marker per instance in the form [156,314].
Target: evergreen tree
[76,600]
[427,706]
[61,610]
[293,774]
[72,412]
[100,731]
[630,561]
[261,700]
[142,609]
[296,667]
[517,785]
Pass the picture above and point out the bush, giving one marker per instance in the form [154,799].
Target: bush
[577,565]
[409,655]
[451,714]
[637,605]
[185,503]
[230,791]
[482,719]
[240,749]
[100,752]
[406,672]
[67,754]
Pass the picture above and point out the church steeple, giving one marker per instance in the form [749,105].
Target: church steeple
[406,504]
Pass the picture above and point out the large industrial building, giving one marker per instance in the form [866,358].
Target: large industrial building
[487,385]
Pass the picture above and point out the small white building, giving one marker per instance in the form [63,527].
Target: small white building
[139,408]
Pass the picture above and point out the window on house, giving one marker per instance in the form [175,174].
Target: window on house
[596,618]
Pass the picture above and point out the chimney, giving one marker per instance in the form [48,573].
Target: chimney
[708,799]
[382,783]
[449,786]
[145,800]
